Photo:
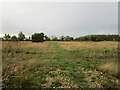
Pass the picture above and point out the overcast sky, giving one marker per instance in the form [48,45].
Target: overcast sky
[60,18]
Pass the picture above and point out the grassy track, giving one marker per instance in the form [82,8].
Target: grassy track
[69,67]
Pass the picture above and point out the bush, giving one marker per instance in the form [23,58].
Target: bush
[38,37]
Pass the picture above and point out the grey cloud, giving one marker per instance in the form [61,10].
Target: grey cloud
[62,18]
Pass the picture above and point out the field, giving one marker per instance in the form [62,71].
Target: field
[60,64]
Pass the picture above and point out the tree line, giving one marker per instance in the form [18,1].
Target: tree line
[40,37]
[99,38]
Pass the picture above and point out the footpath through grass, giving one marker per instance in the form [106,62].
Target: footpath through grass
[68,68]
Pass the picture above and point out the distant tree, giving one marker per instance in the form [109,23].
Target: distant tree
[99,38]
[47,38]
[62,38]
[21,36]
[72,38]
[38,37]
[14,38]
[28,38]
[1,39]
[7,37]
[54,38]
[68,38]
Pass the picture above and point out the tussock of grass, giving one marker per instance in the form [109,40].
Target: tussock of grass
[110,67]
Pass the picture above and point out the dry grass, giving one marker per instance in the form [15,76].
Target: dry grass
[110,67]
[41,47]
[105,51]
[35,65]
[88,45]
[20,59]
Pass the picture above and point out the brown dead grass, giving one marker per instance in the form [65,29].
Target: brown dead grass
[88,45]
[43,47]
[110,67]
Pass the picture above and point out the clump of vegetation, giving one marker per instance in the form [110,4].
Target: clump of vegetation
[38,37]
[110,67]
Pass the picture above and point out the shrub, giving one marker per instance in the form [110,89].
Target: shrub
[38,37]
